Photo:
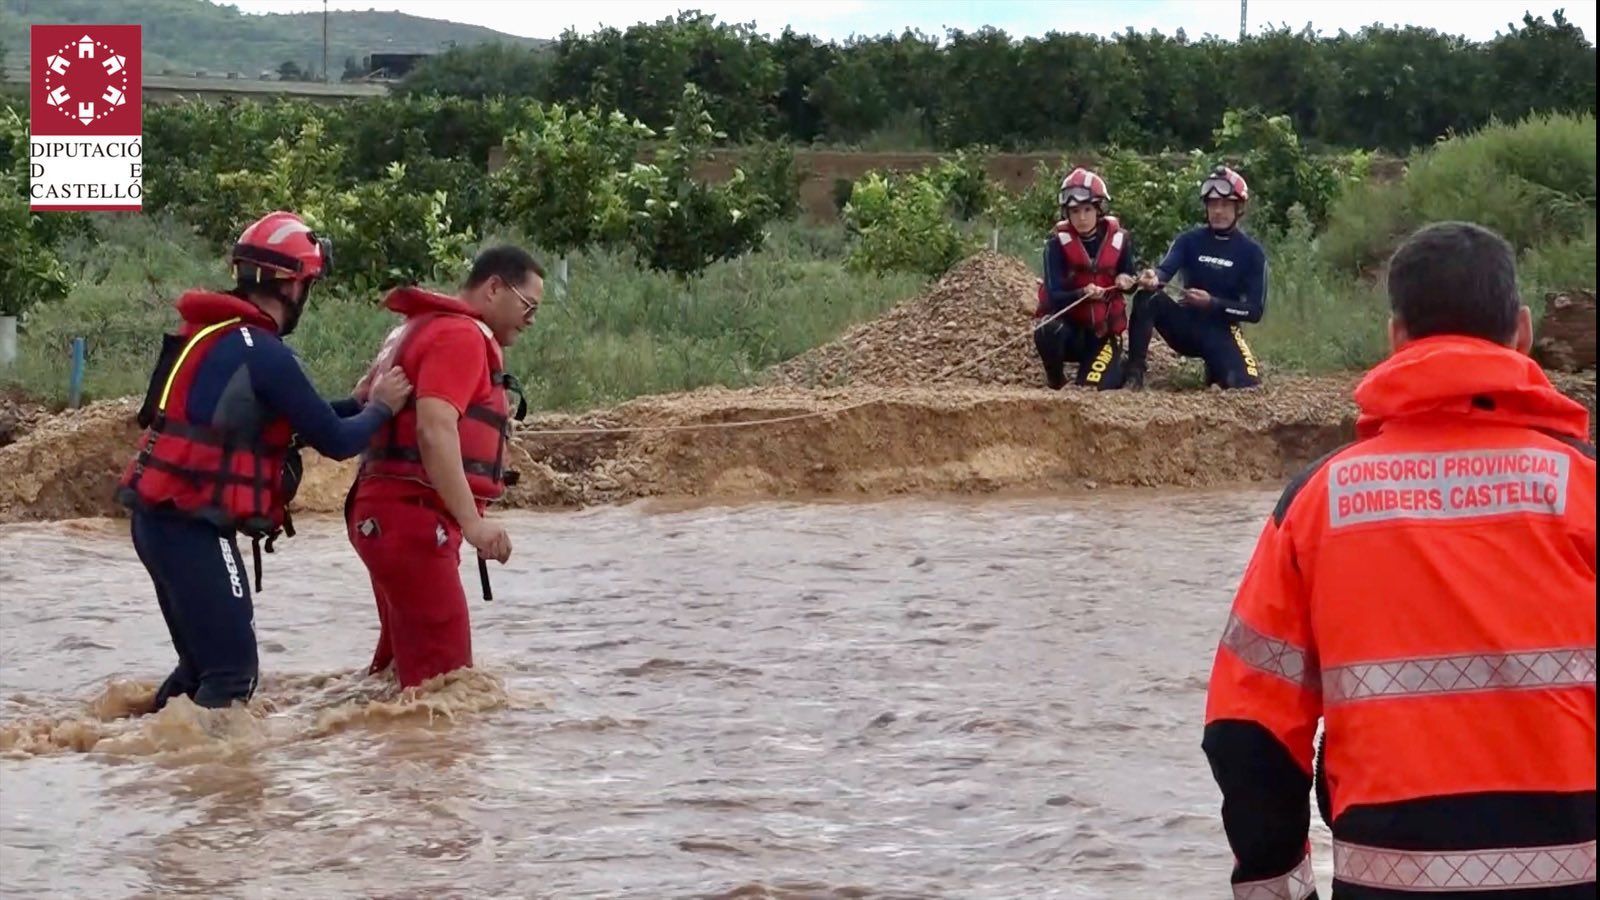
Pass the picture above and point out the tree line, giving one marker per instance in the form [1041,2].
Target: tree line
[1381,88]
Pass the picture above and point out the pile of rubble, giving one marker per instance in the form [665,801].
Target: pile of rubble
[981,305]
[974,326]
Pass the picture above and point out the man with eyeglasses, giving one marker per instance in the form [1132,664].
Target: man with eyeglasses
[1225,286]
[427,478]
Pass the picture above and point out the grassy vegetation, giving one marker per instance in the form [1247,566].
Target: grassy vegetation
[620,331]
[1534,182]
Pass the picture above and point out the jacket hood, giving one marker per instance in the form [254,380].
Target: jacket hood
[202,307]
[1468,379]
[412,300]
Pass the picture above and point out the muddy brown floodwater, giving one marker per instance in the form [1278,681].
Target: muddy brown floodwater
[919,698]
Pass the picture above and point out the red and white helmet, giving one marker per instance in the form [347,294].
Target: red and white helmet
[1083,186]
[1226,184]
[280,245]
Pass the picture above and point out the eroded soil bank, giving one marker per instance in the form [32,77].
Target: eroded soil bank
[846,443]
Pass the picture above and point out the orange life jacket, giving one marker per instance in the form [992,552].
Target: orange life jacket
[1428,593]
[1108,313]
[485,428]
[234,480]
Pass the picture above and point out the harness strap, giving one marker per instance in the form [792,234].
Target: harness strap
[219,478]
[255,554]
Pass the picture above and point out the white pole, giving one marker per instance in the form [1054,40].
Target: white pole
[561,273]
[8,341]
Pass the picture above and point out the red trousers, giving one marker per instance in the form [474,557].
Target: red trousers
[412,552]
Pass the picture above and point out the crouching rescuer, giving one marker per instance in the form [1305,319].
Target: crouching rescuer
[427,478]
[227,409]
[1224,275]
[1088,268]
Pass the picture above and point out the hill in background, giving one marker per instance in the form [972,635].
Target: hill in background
[192,35]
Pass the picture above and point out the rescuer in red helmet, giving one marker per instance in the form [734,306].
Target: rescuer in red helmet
[1088,270]
[1224,275]
[226,410]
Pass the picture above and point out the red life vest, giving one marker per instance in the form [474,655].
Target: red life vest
[1108,313]
[485,428]
[235,480]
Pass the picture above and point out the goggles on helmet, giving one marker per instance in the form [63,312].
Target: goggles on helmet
[1217,186]
[1073,196]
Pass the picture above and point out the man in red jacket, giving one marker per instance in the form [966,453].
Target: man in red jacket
[1428,593]
[428,476]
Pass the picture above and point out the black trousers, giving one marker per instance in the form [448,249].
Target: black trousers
[204,595]
[1099,359]
[1194,334]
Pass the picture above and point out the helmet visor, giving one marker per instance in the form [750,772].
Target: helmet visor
[1074,196]
[1217,187]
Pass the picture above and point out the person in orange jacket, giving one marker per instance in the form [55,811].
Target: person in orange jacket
[426,478]
[1428,593]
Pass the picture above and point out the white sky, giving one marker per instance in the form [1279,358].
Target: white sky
[837,19]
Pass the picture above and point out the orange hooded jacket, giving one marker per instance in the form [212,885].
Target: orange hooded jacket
[1429,593]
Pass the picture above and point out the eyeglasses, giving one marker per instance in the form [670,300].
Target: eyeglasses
[531,307]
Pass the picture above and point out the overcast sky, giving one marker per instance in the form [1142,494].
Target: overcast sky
[838,19]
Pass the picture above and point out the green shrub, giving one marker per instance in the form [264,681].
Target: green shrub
[771,172]
[559,184]
[1316,320]
[964,182]
[679,224]
[900,224]
[1152,200]
[1533,182]
[31,272]
[1035,207]
[1560,265]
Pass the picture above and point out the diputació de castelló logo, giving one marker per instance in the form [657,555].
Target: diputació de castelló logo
[86,131]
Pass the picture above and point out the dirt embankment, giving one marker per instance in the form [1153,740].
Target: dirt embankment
[942,394]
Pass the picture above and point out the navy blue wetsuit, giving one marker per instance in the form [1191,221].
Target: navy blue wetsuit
[248,378]
[1062,341]
[1232,268]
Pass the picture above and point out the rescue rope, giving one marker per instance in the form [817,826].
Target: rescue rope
[813,414]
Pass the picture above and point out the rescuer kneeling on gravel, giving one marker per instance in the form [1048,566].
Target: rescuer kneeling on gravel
[1225,284]
[227,408]
[1088,267]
